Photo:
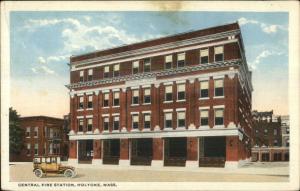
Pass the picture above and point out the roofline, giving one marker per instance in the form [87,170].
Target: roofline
[41,116]
[172,35]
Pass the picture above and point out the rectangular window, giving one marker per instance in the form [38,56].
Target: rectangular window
[27,131]
[265,131]
[169,93]
[135,121]
[80,125]
[90,124]
[219,88]
[204,89]
[147,65]
[105,123]
[106,72]
[116,98]
[219,117]
[135,67]
[180,60]
[287,131]
[168,120]
[36,131]
[28,149]
[275,142]
[116,123]
[90,101]
[168,62]
[105,99]
[275,131]
[116,70]
[204,117]
[181,92]
[135,97]
[147,96]
[204,56]
[80,104]
[181,119]
[90,74]
[36,149]
[81,76]
[147,121]
[219,53]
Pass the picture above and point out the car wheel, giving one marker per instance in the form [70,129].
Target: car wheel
[38,173]
[69,173]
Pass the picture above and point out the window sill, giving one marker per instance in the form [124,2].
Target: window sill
[134,104]
[115,131]
[182,100]
[171,101]
[80,132]
[105,131]
[88,109]
[218,97]
[80,109]
[203,98]
[146,103]
[135,130]
[168,129]
[105,107]
[204,127]
[89,132]
[146,129]
[219,126]
[115,106]
[180,128]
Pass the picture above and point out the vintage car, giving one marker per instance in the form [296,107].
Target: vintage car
[43,165]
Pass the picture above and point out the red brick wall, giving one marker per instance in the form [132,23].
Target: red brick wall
[97,149]
[192,148]
[124,149]
[157,149]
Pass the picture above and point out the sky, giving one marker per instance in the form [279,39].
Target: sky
[42,42]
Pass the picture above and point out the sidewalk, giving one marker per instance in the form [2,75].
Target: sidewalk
[271,168]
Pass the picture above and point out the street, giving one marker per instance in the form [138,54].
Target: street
[253,172]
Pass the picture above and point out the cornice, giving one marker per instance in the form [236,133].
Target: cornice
[153,75]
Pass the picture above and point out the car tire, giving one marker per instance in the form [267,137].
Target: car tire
[69,173]
[38,173]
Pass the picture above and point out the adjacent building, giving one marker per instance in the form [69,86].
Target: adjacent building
[269,134]
[285,130]
[43,136]
[180,100]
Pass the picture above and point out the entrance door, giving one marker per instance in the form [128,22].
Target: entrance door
[212,151]
[85,150]
[265,157]
[111,151]
[141,152]
[175,151]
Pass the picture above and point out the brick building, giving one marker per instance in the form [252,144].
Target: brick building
[268,137]
[43,136]
[285,130]
[180,100]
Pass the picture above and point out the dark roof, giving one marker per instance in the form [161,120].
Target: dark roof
[157,41]
[40,117]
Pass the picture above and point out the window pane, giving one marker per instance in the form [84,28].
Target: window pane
[90,98]
[204,52]
[168,116]
[81,73]
[147,92]
[147,117]
[135,64]
[181,88]
[116,95]
[90,72]
[106,96]
[117,118]
[106,119]
[219,83]
[203,113]
[219,50]
[181,56]
[117,67]
[168,89]
[219,112]
[168,58]
[81,99]
[204,60]
[106,69]
[135,118]
[135,93]
[181,115]
[204,85]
